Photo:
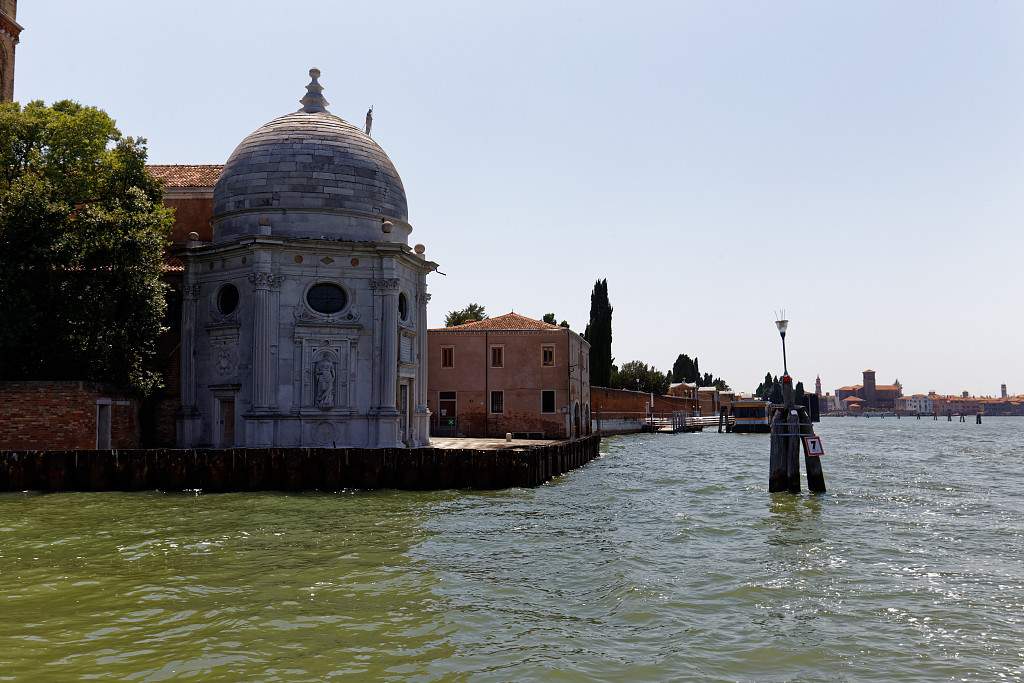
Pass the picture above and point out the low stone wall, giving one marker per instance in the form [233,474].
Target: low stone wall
[291,469]
[614,426]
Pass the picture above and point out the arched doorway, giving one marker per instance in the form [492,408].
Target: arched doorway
[586,420]
[576,421]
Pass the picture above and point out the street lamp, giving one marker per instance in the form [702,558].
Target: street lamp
[782,326]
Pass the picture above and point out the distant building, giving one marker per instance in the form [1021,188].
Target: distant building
[852,404]
[708,400]
[874,396]
[918,404]
[1002,391]
[817,385]
[683,389]
[509,374]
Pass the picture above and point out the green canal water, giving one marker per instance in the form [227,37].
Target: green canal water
[666,559]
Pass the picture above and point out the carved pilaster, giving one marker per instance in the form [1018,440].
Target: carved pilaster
[422,418]
[264,338]
[190,292]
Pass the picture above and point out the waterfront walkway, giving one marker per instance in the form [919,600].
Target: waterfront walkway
[453,442]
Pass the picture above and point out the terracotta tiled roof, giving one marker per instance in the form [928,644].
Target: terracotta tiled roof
[853,399]
[886,387]
[186,175]
[173,264]
[852,387]
[509,321]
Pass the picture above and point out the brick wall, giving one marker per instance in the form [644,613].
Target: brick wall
[192,213]
[62,416]
[618,403]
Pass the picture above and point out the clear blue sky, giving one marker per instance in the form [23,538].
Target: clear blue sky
[859,164]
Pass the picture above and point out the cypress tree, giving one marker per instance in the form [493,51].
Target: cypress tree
[599,334]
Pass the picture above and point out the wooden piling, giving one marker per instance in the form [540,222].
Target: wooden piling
[793,450]
[815,474]
[778,479]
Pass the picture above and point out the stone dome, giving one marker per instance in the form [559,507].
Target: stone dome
[310,174]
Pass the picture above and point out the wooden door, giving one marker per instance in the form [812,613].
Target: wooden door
[226,423]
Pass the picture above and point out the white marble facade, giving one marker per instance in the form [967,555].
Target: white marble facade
[304,321]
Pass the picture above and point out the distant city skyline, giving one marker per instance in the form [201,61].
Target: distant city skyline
[676,150]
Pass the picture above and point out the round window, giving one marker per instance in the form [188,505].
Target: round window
[326,298]
[403,306]
[227,299]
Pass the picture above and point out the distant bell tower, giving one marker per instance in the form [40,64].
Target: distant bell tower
[869,387]
[817,385]
[1002,390]
[10,31]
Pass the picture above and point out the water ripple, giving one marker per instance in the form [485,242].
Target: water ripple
[665,559]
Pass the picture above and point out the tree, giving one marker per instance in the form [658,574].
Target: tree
[564,323]
[550,319]
[684,369]
[82,236]
[638,376]
[599,333]
[469,314]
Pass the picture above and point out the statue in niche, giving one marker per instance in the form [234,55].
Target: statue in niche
[323,387]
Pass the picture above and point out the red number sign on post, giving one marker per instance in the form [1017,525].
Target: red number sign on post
[813,446]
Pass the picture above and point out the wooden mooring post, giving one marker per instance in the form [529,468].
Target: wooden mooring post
[789,424]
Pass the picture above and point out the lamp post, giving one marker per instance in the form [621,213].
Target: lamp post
[787,381]
[783,325]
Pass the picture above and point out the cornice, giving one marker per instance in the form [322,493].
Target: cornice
[10,26]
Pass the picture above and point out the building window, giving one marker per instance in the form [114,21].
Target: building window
[227,299]
[497,401]
[326,298]
[547,401]
[497,357]
[403,307]
[547,355]
[447,356]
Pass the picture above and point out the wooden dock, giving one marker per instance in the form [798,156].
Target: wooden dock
[680,422]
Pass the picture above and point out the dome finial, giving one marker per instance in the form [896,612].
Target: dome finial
[314,100]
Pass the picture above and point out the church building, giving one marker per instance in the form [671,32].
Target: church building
[304,316]
[10,33]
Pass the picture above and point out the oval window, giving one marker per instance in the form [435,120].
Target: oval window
[326,298]
[227,299]
[403,306]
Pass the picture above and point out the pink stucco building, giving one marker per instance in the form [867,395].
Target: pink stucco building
[509,374]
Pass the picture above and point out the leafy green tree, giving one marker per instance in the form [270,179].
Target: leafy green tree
[599,333]
[469,314]
[550,319]
[638,376]
[564,323]
[82,236]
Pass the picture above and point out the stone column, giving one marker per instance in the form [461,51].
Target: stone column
[264,339]
[422,417]
[386,291]
[190,301]
[189,422]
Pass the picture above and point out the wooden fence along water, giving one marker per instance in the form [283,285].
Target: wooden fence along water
[292,469]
